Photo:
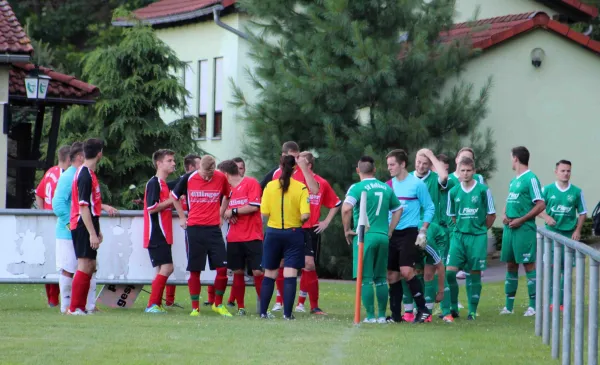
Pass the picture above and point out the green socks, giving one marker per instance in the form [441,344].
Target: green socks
[468,285]
[445,305]
[368,298]
[475,292]
[453,285]
[531,281]
[381,292]
[430,289]
[510,288]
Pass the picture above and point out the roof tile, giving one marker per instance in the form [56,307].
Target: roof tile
[165,8]
[61,85]
[12,36]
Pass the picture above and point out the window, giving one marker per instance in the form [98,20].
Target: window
[203,80]
[217,120]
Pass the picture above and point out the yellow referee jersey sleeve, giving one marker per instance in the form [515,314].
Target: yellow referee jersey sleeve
[285,210]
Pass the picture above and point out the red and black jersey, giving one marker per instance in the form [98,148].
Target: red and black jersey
[326,197]
[248,227]
[85,191]
[203,197]
[45,189]
[158,227]
[183,198]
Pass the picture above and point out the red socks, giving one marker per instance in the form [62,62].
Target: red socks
[79,291]
[279,283]
[52,292]
[258,284]
[211,294]
[312,286]
[158,288]
[194,287]
[303,288]
[220,285]
[239,289]
[232,294]
[170,300]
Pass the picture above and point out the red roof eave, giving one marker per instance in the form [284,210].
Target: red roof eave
[503,28]
[589,10]
[171,11]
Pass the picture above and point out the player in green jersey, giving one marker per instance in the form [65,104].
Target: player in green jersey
[523,204]
[471,206]
[454,180]
[380,201]
[565,209]
[436,288]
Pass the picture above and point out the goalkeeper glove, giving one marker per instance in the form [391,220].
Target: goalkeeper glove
[421,239]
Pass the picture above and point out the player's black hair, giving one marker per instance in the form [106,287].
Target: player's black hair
[290,146]
[467,161]
[92,148]
[564,162]
[160,154]
[189,161]
[522,154]
[400,155]
[76,148]
[63,153]
[238,160]
[287,164]
[366,165]
[229,167]
[443,158]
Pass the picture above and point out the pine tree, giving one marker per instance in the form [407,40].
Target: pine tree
[318,63]
[136,81]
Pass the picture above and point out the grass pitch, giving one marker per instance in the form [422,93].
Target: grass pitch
[31,333]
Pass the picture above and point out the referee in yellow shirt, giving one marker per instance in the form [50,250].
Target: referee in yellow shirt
[285,203]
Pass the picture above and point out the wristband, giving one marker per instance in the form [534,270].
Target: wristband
[234,211]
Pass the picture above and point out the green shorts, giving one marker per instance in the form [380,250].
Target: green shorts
[440,251]
[567,234]
[468,251]
[375,256]
[519,244]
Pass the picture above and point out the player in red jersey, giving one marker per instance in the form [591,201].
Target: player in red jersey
[309,282]
[43,200]
[191,163]
[301,174]
[205,189]
[158,226]
[86,207]
[245,234]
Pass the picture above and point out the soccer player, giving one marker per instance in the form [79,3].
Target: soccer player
[434,271]
[471,206]
[523,204]
[158,226]
[565,209]
[241,166]
[313,228]
[380,203]
[205,190]
[403,251]
[301,174]
[86,207]
[43,200]
[191,163]
[245,234]
[285,204]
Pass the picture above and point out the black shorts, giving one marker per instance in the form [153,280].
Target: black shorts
[160,253]
[81,240]
[244,254]
[203,241]
[403,251]
[312,243]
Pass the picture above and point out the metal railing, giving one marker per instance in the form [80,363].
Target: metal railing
[547,322]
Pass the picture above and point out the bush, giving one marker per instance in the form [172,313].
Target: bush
[497,233]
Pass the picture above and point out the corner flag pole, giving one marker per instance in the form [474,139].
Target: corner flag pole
[362,225]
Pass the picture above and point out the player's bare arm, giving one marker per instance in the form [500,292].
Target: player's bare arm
[576,236]
[489,220]
[246,209]
[180,212]
[437,164]
[548,219]
[86,216]
[110,210]
[539,207]
[394,221]
[304,217]
[322,225]
[39,202]
[505,219]
[311,183]
[161,206]
[347,222]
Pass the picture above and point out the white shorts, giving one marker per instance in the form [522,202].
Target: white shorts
[65,256]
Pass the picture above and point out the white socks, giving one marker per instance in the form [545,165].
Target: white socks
[65,284]
[91,298]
